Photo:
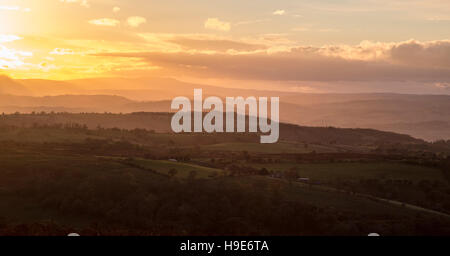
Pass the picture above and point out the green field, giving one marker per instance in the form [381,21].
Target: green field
[280,147]
[63,178]
[36,187]
[77,191]
[355,171]
[44,135]
[183,170]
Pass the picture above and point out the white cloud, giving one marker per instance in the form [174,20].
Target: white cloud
[248,22]
[62,51]
[279,12]
[12,59]
[105,22]
[14,8]
[136,21]
[116,9]
[368,61]
[84,3]
[10,8]
[216,24]
[9,38]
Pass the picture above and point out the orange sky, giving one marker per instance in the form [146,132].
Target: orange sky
[305,42]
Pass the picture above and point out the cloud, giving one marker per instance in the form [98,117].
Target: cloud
[105,22]
[13,59]
[62,51]
[279,12]
[445,86]
[9,38]
[404,61]
[10,8]
[432,54]
[136,21]
[83,3]
[216,24]
[205,43]
[14,8]
[211,44]
[248,22]
[116,9]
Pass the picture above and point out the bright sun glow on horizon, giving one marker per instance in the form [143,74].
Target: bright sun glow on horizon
[287,41]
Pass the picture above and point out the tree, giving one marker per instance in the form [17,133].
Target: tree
[264,172]
[173,172]
[192,175]
[291,175]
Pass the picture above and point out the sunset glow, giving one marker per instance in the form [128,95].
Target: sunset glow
[249,125]
[297,40]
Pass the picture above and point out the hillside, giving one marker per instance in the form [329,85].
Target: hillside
[58,179]
[160,122]
[422,116]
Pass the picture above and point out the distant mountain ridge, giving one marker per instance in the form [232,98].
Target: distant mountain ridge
[422,116]
[10,86]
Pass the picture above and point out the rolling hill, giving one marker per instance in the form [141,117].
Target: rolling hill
[160,122]
[422,116]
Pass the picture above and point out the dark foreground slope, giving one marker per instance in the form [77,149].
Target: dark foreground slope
[55,192]
[58,177]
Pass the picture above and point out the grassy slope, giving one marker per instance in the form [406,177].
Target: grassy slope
[183,169]
[356,171]
[43,135]
[280,147]
[97,178]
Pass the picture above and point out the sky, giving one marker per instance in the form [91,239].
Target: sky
[307,46]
